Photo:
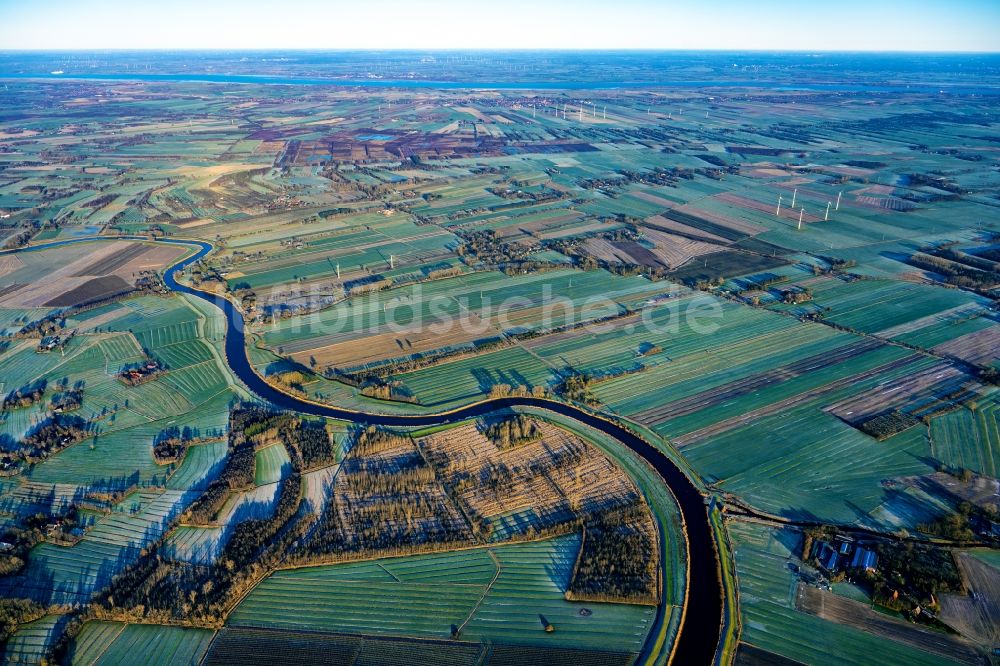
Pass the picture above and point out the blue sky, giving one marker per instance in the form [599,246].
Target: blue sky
[871,25]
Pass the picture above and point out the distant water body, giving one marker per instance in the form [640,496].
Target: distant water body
[778,86]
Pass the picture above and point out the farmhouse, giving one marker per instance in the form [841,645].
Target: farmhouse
[864,559]
[139,374]
[49,343]
[843,554]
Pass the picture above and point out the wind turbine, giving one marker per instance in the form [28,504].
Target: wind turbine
[838,199]
[827,216]
[778,211]
[801,212]
[795,193]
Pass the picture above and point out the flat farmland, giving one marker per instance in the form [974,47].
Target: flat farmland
[369,248]
[106,643]
[128,418]
[455,382]
[358,596]
[795,369]
[376,349]
[370,313]
[237,645]
[497,594]
[973,614]
[198,467]
[878,306]
[969,439]
[452,203]
[118,454]
[771,622]
[805,464]
[83,272]
[740,341]
[980,347]
[61,574]
[195,545]
[510,609]
[956,333]
[33,640]
[271,465]
[499,301]
[860,615]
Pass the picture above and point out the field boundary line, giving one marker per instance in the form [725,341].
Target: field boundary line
[208,648]
[388,556]
[454,499]
[394,577]
[109,644]
[486,592]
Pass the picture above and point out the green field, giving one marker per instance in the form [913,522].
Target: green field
[68,574]
[467,379]
[770,621]
[967,439]
[195,392]
[32,641]
[107,643]
[424,595]
[872,306]
[272,464]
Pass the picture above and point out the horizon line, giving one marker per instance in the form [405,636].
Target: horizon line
[403,49]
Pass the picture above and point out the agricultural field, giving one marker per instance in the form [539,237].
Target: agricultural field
[32,641]
[969,438]
[889,308]
[131,497]
[554,474]
[469,591]
[790,290]
[492,594]
[63,575]
[775,627]
[407,322]
[116,643]
[973,612]
[85,273]
[196,385]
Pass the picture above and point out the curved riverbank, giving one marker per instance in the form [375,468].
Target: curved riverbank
[700,628]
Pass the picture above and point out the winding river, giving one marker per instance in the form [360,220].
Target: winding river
[700,629]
